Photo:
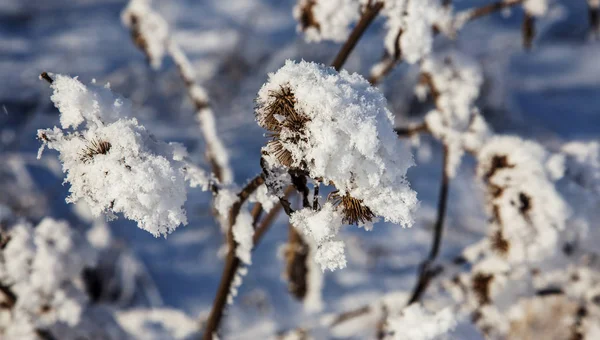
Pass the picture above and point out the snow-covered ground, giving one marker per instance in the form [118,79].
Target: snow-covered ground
[550,94]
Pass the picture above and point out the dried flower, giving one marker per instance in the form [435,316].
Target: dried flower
[93,148]
[353,210]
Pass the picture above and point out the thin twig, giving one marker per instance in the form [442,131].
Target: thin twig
[232,262]
[46,77]
[367,17]
[427,270]
[411,130]
[269,218]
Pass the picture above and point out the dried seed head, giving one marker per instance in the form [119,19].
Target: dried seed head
[353,210]
[281,113]
[283,155]
[93,148]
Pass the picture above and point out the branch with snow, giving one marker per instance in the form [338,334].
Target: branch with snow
[113,163]
[150,33]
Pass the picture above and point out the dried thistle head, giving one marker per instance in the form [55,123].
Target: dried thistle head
[93,148]
[353,209]
[281,113]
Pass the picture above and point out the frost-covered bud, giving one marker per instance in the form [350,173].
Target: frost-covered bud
[112,162]
[335,128]
[326,19]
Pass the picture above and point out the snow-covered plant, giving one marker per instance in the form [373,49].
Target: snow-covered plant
[411,26]
[326,19]
[527,211]
[111,161]
[42,285]
[453,80]
[335,128]
[149,30]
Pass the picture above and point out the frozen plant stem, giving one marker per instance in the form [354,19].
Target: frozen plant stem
[232,262]
[426,271]
[367,17]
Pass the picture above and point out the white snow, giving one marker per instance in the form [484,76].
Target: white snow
[332,18]
[112,162]
[416,323]
[348,138]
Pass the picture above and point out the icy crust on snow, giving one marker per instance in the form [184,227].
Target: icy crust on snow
[456,79]
[348,139]
[521,178]
[43,268]
[410,27]
[112,162]
[153,30]
[329,19]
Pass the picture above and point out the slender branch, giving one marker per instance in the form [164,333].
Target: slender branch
[46,77]
[427,269]
[269,218]
[388,62]
[411,130]
[490,8]
[367,17]
[232,262]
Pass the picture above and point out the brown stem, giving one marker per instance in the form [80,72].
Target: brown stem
[427,270]
[367,17]
[269,218]
[411,130]
[232,262]
[46,77]
[491,8]
[528,30]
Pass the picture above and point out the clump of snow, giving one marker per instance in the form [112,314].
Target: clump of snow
[261,195]
[322,226]
[243,231]
[112,162]
[149,28]
[416,323]
[42,267]
[410,27]
[341,132]
[536,8]
[529,211]
[326,19]
[454,80]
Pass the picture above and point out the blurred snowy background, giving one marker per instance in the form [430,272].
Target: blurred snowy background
[550,94]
